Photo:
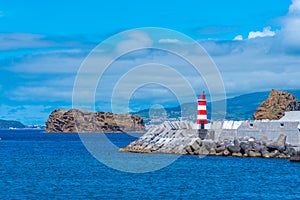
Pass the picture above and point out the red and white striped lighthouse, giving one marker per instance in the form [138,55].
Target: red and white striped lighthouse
[201,111]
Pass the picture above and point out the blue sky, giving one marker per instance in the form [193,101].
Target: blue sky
[255,45]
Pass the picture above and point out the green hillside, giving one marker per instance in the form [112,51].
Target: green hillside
[238,108]
[5,124]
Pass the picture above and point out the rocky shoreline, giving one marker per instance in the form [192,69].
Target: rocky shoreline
[179,138]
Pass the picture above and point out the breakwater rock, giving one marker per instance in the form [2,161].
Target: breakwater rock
[180,138]
[76,120]
[276,104]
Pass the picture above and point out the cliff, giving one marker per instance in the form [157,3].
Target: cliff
[276,104]
[76,120]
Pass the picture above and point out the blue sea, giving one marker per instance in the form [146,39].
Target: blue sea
[38,165]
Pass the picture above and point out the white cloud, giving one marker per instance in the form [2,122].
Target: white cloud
[167,40]
[136,39]
[263,59]
[17,41]
[33,53]
[294,7]
[47,64]
[255,34]
[265,33]
[238,37]
[11,41]
[287,39]
[43,92]
[241,63]
[291,28]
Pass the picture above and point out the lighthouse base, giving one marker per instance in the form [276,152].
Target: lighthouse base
[206,134]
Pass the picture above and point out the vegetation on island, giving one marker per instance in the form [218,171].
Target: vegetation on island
[237,108]
[6,124]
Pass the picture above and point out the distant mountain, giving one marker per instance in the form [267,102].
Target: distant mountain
[242,107]
[5,124]
[238,108]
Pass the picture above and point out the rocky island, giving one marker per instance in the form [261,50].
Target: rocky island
[275,106]
[76,120]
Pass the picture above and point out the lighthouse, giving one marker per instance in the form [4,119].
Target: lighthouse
[201,111]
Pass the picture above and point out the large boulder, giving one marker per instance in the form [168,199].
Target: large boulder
[254,154]
[276,104]
[245,147]
[272,154]
[260,148]
[279,144]
[209,145]
[235,148]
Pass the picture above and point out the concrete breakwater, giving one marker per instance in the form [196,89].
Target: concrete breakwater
[181,138]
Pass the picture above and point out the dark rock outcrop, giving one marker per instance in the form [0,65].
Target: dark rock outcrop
[276,104]
[76,120]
